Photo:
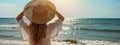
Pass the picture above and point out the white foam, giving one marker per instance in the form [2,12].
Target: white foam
[15,42]
[8,26]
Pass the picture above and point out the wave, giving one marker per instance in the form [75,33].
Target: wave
[104,30]
[91,29]
[5,36]
[8,26]
[9,30]
[91,23]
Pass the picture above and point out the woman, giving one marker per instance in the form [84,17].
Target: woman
[38,31]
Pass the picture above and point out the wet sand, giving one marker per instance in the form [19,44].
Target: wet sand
[61,42]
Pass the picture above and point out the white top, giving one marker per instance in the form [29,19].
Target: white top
[52,30]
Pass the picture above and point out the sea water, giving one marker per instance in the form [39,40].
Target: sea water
[73,28]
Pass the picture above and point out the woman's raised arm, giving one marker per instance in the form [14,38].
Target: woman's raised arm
[20,16]
[60,16]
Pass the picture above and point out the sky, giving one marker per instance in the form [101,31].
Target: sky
[68,8]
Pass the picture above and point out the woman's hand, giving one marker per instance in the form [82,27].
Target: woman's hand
[59,16]
[20,16]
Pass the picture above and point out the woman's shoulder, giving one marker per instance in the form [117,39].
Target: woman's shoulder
[55,23]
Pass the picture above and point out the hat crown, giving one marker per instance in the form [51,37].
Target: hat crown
[40,13]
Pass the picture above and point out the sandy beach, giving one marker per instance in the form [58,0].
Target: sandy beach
[61,42]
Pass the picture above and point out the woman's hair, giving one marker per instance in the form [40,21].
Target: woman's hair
[37,33]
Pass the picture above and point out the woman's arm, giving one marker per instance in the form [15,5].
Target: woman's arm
[60,16]
[20,16]
[55,27]
[22,25]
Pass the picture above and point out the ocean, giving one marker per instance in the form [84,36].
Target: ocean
[73,28]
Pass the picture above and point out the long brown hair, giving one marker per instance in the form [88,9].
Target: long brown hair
[37,33]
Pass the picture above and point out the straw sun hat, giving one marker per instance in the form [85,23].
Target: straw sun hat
[39,12]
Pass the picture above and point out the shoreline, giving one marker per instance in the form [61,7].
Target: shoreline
[61,42]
